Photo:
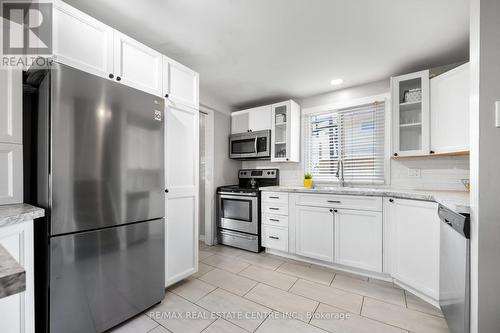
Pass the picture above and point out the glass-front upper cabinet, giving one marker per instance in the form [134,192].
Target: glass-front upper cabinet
[410,114]
[285,132]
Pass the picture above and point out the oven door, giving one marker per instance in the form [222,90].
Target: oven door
[239,212]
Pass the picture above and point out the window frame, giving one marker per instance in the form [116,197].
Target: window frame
[338,106]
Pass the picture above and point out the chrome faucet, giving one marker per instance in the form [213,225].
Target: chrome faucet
[340,172]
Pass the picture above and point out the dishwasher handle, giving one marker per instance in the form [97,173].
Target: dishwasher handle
[458,222]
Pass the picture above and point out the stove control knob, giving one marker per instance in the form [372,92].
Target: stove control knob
[268,173]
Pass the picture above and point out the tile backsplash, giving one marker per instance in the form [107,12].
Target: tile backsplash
[436,173]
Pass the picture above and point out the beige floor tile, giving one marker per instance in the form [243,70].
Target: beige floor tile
[383,283]
[223,326]
[202,270]
[138,324]
[308,273]
[292,261]
[230,264]
[236,284]
[159,329]
[408,319]
[336,271]
[258,259]
[282,301]
[415,303]
[180,316]
[203,246]
[365,288]
[272,278]
[277,323]
[339,321]
[332,296]
[235,309]
[204,254]
[225,250]
[192,289]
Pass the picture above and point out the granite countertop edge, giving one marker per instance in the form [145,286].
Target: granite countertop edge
[446,198]
[19,213]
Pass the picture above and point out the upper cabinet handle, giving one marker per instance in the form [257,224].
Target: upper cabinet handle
[166,95]
[118,78]
[391,200]
[111,76]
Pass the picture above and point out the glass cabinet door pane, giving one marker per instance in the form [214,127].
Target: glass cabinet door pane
[280,131]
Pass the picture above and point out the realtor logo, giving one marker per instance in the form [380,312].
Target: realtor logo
[27,28]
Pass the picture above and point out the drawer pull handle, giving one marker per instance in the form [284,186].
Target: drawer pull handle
[274,237]
[272,208]
[274,197]
[274,220]
[334,201]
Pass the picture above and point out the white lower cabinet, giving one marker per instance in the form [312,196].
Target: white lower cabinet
[17,311]
[314,232]
[275,238]
[413,244]
[358,239]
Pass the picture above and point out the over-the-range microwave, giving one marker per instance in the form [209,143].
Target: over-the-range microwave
[250,145]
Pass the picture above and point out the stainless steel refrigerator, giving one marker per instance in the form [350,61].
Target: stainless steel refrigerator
[95,161]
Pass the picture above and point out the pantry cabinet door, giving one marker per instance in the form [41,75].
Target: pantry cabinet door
[314,232]
[181,84]
[137,65]
[11,106]
[358,239]
[181,197]
[81,41]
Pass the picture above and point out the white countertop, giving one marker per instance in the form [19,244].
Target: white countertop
[457,201]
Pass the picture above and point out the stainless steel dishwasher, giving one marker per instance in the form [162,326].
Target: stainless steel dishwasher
[454,272]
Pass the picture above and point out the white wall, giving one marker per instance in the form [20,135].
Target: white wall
[485,166]
[437,173]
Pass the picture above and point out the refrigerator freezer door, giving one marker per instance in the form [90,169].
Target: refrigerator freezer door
[101,278]
[107,149]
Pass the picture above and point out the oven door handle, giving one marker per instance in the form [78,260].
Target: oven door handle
[255,145]
[229,195]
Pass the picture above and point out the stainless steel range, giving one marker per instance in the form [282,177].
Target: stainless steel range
[238,209]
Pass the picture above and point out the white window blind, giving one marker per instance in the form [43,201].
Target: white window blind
[356,135]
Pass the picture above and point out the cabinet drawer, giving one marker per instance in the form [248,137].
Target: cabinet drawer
[275,238]
[275,220]
[275,209]
[275,197]
[341,201]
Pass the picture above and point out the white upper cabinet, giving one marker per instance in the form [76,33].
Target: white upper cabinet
[11,173]
[450,111]
[137,65]
[11,99]
[251,120]
[413,244]
[314,232]
[410,114]
[180,84]
[81,41]
[358,239]
[285,132]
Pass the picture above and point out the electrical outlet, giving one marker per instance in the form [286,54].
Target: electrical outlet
[414,173]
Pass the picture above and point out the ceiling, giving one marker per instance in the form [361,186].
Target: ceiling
[254,51]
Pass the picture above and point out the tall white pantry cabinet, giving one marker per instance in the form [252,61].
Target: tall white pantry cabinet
[82,42]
